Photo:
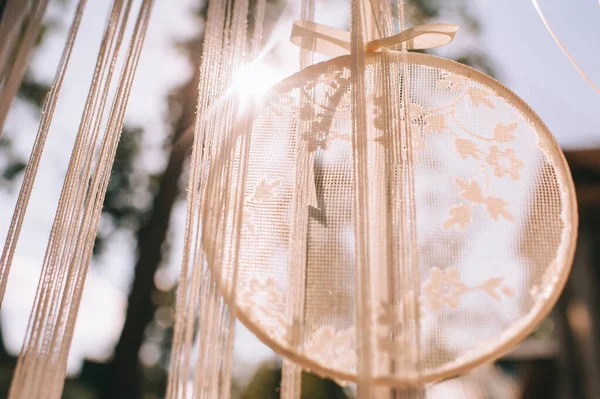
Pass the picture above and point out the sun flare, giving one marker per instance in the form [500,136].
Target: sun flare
[254,80]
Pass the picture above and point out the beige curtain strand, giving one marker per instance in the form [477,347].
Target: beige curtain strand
[36,153]
[202,348]
[12,68]
[291,372]
[41,366]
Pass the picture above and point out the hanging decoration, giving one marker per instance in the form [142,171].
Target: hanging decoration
[41,366]
[429,222]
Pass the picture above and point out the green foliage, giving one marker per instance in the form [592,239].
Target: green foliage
[13,164]
[265,384]
[32,91]
[129,190]
[477,61]
[425,8]
[453,11]
[13,169]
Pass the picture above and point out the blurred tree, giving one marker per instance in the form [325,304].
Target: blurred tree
[33,93]
[456,11]
[125,373]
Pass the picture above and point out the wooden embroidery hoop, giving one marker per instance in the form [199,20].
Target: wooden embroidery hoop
[511,336]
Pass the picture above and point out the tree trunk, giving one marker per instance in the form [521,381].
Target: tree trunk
[124,371]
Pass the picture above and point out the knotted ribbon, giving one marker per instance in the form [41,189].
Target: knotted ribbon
[334,42]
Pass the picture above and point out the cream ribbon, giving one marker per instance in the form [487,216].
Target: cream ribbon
[326,40]
[562,48]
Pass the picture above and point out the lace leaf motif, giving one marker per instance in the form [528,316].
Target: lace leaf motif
[503,133]
[479,97]
[444,287]
[336,348]
[501,161]
[460,215]
[504,162]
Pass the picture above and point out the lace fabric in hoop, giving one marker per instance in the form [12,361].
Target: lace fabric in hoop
[495,220]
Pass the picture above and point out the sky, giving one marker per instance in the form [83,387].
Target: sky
[520,48]
[532,65]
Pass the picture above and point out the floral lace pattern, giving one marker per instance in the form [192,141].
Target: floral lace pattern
[504,162]
[337,348]
[334,348]
[444,287]
[259,301]
[320,118]
[460,215]
[490,153]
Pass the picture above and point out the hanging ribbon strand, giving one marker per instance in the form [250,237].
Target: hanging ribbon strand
[12,69]
[202,349]
[562,48]
[291,372]
[188,290]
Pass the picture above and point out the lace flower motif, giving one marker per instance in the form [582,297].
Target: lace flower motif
[265,190]
[450,81]
[444,287]
[466,148]
[460,215]
[479,97]
[259,300]
[504,162]
[435,123]
[333,348]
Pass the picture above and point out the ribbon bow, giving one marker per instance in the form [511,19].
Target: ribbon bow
[334,42]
